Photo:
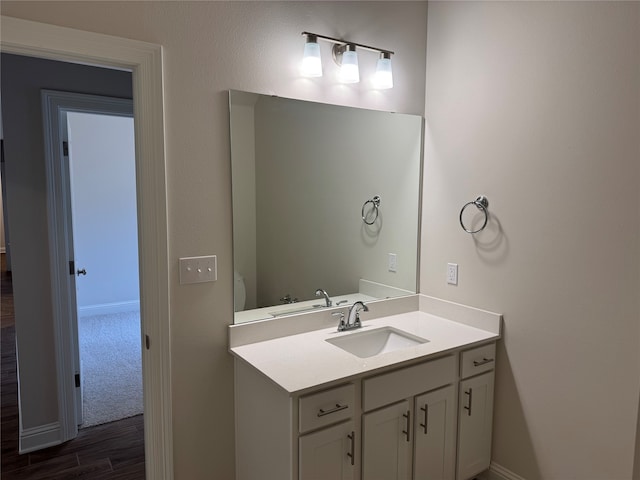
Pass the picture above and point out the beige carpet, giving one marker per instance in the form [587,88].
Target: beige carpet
[111,367]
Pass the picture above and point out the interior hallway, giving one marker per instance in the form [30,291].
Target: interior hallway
[106,452]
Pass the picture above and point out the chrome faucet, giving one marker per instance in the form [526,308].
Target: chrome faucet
[353,318]
[321,292]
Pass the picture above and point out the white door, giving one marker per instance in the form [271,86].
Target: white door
[435,446]
[386,437]
[328,453]
[476,418]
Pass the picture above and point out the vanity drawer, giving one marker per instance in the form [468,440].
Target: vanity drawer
[406,382]
[325,408]
[478,360]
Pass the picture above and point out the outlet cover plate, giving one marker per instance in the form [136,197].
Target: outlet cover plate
[452,273]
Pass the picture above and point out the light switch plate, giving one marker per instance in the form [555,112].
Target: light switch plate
[198,269]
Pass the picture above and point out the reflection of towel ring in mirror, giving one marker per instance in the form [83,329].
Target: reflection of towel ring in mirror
[375,202]
[481,204]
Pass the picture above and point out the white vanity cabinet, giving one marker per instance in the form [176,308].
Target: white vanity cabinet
[330,452]
[475,411]
[434,435]
[386,436]
[415,436]
[306,410]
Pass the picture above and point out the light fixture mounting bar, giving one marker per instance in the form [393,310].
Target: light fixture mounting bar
[339,41]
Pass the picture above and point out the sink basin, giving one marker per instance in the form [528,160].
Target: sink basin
[368,343]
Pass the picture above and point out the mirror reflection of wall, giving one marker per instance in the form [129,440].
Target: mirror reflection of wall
[301,173]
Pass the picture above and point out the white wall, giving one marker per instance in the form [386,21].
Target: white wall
[103,199]
[537,106]
[210,47]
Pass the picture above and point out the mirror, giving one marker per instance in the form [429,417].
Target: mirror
[303,175]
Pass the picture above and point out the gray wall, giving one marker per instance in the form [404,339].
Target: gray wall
[537,106]
[22,79]
[208,48]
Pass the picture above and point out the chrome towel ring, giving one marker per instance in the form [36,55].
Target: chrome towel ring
[375,203]
[481,204]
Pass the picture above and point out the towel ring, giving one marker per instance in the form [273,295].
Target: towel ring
[375,202]
[481,204]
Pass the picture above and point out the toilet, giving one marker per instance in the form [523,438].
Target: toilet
[239,292]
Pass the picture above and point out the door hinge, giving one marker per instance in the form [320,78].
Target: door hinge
[77,378]
[65,148]
[72,267]
[147,341]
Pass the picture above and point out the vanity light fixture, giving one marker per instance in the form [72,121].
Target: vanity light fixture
[311,64]
[346,56]
[349,71]
[383,77]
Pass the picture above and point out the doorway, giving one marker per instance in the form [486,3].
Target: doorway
[100,150]
[145,61]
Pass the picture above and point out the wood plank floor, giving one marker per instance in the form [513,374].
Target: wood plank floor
[111,451]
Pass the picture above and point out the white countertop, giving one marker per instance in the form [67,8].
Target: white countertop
[305,360]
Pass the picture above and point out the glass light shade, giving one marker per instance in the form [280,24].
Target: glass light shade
[311,63]
[383,77]
[349,72]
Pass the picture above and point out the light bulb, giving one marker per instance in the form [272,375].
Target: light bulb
[383,77]
[311,63]
[349,72]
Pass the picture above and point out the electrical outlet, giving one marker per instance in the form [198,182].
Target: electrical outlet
[198,269]
[452,273]
[393,262]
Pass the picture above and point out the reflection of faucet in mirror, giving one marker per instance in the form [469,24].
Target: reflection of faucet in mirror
[321,292]
[353,319]
[287,299]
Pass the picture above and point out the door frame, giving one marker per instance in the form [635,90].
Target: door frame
[144,60]
[55,106]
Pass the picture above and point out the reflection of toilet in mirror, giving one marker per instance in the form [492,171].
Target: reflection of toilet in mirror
[239,292]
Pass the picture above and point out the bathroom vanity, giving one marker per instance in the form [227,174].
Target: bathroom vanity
[314,403]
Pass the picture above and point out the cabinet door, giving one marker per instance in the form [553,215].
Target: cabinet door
[328,453]
[475,425]
[434,435]
[386,437]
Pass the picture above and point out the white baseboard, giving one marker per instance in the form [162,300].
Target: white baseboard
[498,472]
[108,308]
[37,438]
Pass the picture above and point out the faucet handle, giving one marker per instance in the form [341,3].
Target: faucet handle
[341,324]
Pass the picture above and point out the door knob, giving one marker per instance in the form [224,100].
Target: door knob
[81,272]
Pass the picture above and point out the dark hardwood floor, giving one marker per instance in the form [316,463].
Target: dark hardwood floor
[111,451]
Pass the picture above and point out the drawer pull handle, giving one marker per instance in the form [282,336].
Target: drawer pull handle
[352,453]
[338,407]
[424,425]
[468,407]
[477,363]
[407,432]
